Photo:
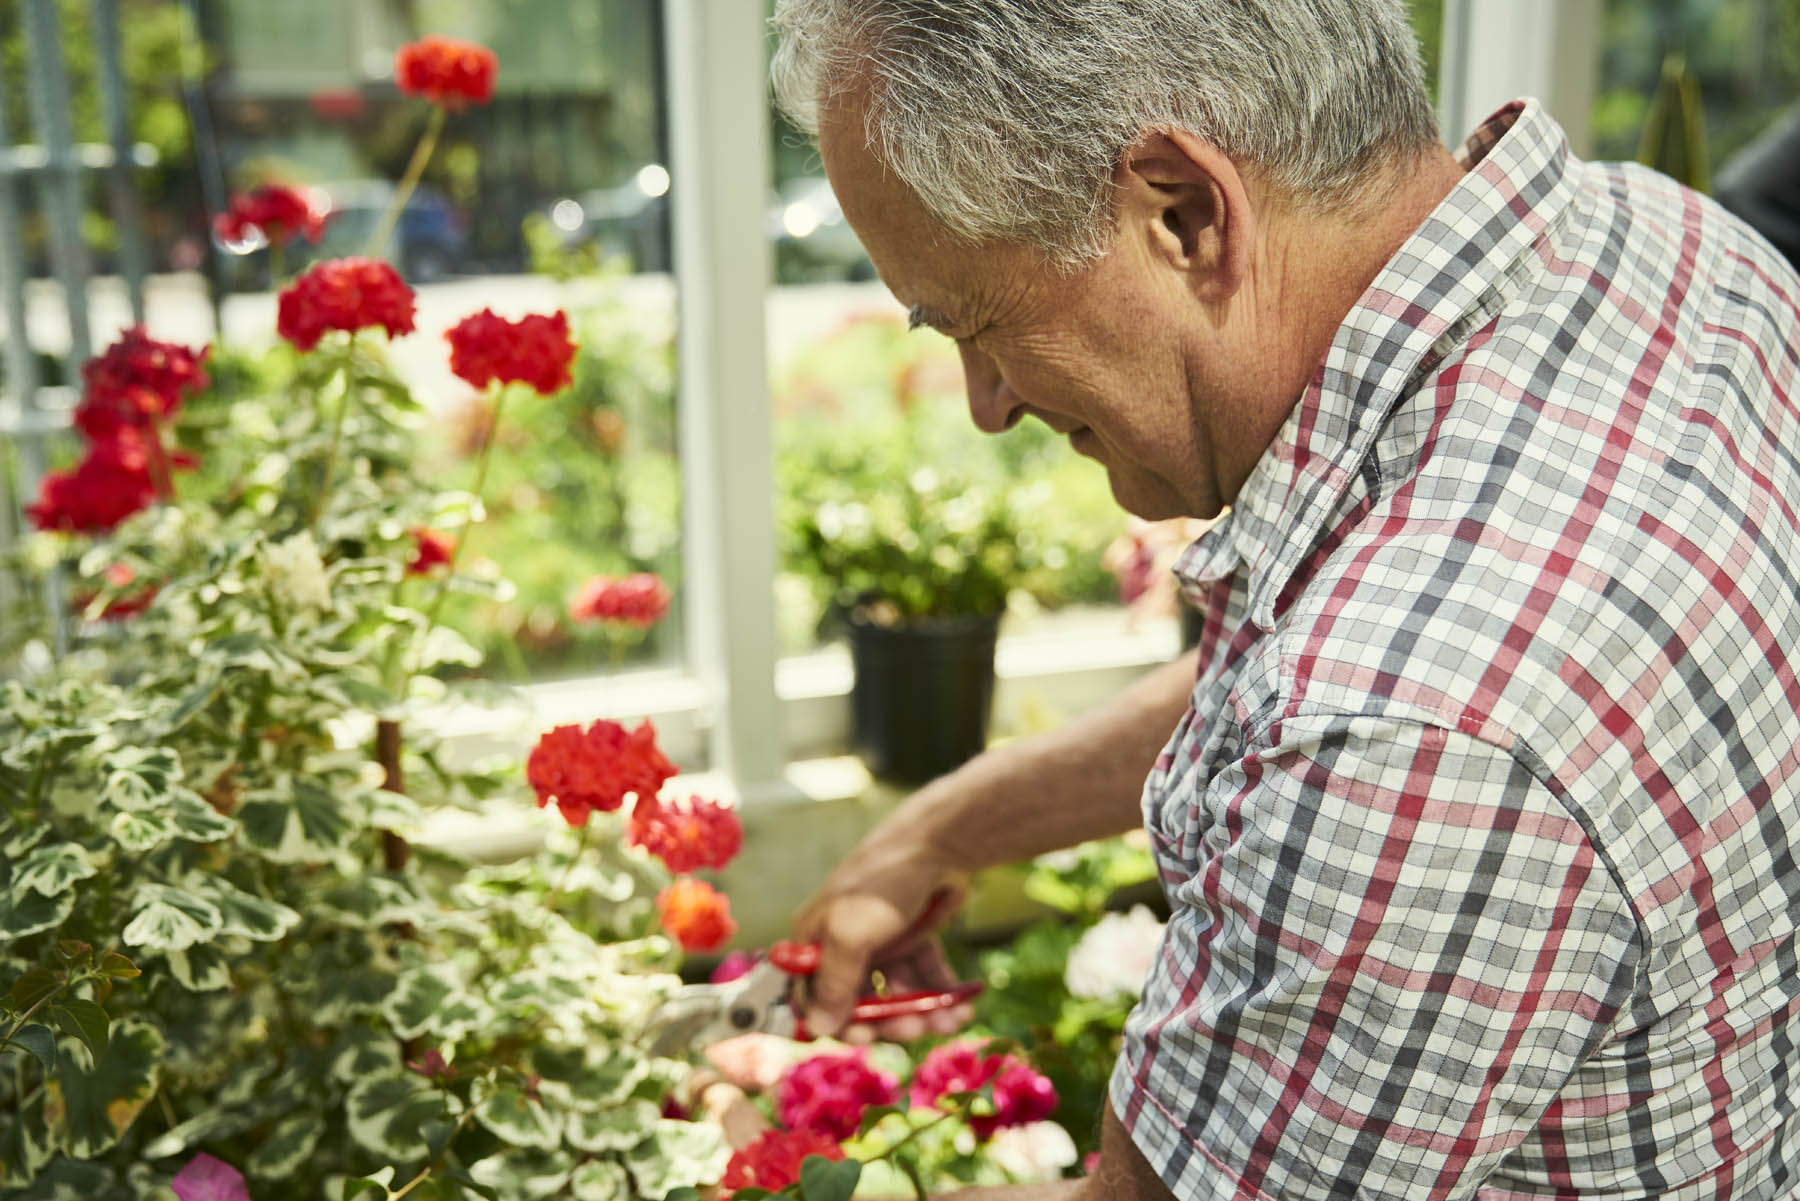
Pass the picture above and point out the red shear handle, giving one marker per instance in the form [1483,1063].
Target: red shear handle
[880,1009]
[802,958]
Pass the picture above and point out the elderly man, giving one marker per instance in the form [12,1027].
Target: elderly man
[1477,809]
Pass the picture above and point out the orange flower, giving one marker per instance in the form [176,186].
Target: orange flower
[446,71]
[346,294]
[696,915]
[535,350]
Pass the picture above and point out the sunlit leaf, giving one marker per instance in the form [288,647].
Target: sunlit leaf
[33,913]
[256,918]
[309,827]
[395,1116]
[603,1180]
[528,1173]
[612,1129]
[519,1119]
[678,1154]
[168,919]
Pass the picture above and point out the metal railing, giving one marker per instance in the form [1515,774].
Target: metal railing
[54,165]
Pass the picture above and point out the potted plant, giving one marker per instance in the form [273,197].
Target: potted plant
[910,533]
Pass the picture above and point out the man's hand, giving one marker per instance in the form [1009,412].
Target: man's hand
[879,911]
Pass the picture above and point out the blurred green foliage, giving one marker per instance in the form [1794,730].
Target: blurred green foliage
[884,487]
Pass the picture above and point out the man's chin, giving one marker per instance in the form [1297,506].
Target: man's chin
[1148,497]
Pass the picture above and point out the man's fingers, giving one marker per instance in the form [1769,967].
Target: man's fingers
[845,939]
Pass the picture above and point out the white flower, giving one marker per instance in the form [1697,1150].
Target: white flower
[297,573]
[1033,1152]
[1115,955]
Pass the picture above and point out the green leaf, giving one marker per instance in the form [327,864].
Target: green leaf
[374,899]
[519,1119]
[71,1180]
[309,828]
[287,1146]
[910,1165]
[27,1144]
[369,1188]
[117,967]
[84,1020]
[611,1129]
[33,914]
[603,1180]
[528,1173]
[823,1179]
[200,969]
[36,984]
[678,1154]
[256,918]
[168,919]
[195,700]
[362,1052]
[395,1116]
[54,869]
[685,1194]
[431,1000]
[143,831]
[197,821]
[140,777]
[92,1107]
[593,1085]
[40,1042]
[208,1125]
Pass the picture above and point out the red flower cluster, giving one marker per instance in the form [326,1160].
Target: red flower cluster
[136,383]
[435,550]
[688,835]
[277,212]
[773,1161]
[639,599]
[446,71]
[128,392]
[695,914]
[535,350]
[596,768]
[1021,1095]
[830,1093]
[346,294]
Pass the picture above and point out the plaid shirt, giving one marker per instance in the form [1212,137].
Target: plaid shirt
[1480,833]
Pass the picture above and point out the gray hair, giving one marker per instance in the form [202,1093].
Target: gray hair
[1008,117]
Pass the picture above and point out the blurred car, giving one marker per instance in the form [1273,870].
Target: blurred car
[805,225]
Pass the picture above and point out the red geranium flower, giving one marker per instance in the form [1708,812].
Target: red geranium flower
[533,350]
[830,1093]
[277,212]
[596,768]
[446,71]
[773,1161]
[687,835]
[136,383]
[346,294]
[1021,1095]
[639,599]
[435,550]
[105,488]
[695,914]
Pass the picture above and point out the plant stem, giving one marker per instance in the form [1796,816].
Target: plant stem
[408,181]
[277,262]
[337,436]
[456,550]
[569,869]
[425,1172]
[26,1016]
[912,1134]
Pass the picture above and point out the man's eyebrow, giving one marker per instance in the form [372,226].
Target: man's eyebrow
[920,315]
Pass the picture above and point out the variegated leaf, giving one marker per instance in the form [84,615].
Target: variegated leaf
[243,913]
[396,1116]
[168,919]
[617,1129]
[526,1173]
[308,827]
[678,1155]
[53,869]
[95,1099]
[519,1119]
[600,1180]
[287,1146]
[32,914]
[140,777]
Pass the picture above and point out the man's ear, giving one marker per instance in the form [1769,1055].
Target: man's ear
[1191,203]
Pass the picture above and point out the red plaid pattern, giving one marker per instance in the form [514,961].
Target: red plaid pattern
[1481,831]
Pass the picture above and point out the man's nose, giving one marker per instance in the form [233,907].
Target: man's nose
[994,406]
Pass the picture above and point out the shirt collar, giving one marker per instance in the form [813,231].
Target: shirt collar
[1516,185]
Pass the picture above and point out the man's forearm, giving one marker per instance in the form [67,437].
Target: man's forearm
[1054,1190]
[1054,790]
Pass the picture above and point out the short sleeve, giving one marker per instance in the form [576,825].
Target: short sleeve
[1393,950]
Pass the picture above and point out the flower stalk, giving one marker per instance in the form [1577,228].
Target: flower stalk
[415,169]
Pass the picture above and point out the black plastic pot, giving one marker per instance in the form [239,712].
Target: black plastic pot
[923,693]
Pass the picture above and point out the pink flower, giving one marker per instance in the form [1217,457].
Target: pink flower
[829,1093]
[432,1065]
[736,964]
[1021,1094]
[208,1179]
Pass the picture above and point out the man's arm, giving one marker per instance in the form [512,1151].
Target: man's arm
[1038,794]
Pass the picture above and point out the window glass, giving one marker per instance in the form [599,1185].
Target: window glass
[552,195]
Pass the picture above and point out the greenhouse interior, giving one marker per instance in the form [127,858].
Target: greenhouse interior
[1236,650]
